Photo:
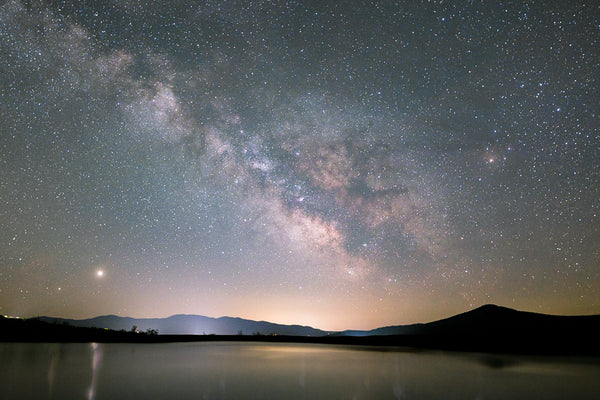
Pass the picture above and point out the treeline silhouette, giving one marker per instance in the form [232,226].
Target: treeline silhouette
[35,330]
[489,329]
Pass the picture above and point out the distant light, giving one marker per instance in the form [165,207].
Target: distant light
[99,273]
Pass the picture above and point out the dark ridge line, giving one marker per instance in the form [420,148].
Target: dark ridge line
[490,329]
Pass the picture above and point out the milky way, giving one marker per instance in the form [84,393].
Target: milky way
[340,165]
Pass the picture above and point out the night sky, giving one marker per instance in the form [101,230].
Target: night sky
[335,164]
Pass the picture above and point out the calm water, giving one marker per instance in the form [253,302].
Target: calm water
[281,371]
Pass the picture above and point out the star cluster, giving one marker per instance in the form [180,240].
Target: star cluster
[338,164]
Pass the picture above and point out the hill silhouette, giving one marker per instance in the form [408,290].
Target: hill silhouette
[489,328]
[36,330]
[183,324]
[498,329]
[493,320]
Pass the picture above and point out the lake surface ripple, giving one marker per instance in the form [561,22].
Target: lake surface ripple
[225,370]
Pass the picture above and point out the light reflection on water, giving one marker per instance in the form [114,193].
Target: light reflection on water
[96,358]
[276,371]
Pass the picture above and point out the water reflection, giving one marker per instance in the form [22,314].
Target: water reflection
[54,358]
[96,359]
[275,371]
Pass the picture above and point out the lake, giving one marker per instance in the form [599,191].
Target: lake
[238,370]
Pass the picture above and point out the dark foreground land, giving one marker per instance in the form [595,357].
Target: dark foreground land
[487,329]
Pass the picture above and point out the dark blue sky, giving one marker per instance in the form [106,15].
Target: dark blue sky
[340,165]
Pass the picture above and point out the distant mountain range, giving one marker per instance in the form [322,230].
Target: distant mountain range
[486,321]
[488,328]
[183,324]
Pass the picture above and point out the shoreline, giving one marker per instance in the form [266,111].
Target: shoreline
[574,342]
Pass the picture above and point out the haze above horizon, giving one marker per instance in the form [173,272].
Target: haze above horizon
[337,166]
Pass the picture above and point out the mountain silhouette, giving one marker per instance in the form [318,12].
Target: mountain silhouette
[491,320]
[492,328]
[489,328]
[488,320]
[183,324]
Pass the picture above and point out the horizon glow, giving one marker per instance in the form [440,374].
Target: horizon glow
[339,166]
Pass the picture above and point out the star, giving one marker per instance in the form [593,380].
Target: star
[226,168]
